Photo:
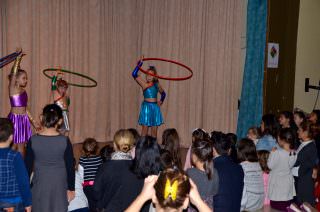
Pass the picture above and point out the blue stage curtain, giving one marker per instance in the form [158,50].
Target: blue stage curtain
[251,102]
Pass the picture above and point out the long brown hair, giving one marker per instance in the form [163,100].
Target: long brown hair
[171,143]
[263,156]
[202,149]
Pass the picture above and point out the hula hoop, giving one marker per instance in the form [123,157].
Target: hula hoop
[165,77]
[8,59]
[74,73]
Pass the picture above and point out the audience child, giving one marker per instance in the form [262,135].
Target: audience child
[253,134]
[200,134]
[171,191]
[269,130]
[314,117]
[15,194]
[90,162]
[299,117]
[306,161]
[80,201]
[204,175]
[230,175]
[253,190]
[171,142]
[53,180]
[263,156]
[281,160]
[286,120]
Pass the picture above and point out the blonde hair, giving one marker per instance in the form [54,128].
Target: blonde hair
[123,140]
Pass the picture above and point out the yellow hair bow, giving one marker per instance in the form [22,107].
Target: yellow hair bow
[171,190]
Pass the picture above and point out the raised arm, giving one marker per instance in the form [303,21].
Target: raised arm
[14,71]
[137,77]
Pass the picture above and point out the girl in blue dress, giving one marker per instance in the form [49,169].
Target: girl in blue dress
[150,116]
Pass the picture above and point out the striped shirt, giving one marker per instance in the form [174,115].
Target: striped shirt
[90,165]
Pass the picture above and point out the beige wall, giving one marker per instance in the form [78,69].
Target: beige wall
[308,54]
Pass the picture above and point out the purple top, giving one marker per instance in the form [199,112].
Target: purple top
[19,100]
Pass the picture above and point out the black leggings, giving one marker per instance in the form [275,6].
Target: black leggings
[88,191]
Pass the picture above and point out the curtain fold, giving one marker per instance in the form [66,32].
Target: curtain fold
[251,102]
[105,38]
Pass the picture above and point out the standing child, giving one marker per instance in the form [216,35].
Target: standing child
[15,192]
[150,113]
[19,115]
[204,175]
[306,161]
[59,89]
[253,189]
[90,162]
[281,160]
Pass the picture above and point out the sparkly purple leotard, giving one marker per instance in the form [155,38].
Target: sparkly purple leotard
[21,123]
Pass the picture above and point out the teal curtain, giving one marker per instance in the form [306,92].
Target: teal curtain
[251,102]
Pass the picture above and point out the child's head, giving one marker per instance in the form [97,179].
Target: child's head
[171,142]
[286,119]
[263,156]
[62,86]
[305,132]
[21,78]
[199,134]
[147,157]
[90,147]
[253,133]
[172,190]
[221,145]
[6,130]
[314,117]
[51,116]
[201,151]
[123,141]
[149,78]
[247,151]
[106,152]
[269,125]
[286,138]
[299,117]
[166,159]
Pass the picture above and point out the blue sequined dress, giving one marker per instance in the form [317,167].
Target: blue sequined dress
[150,113]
